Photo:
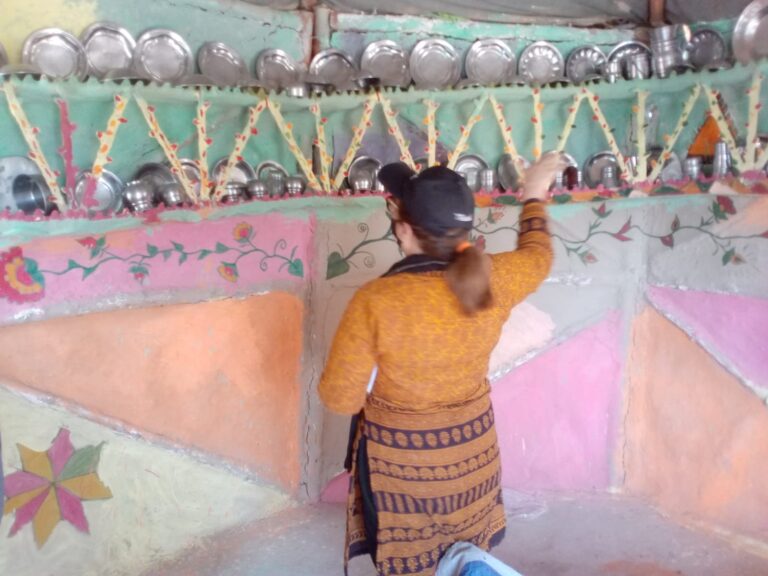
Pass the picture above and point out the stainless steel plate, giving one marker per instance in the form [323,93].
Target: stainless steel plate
[56,53]
[241,173]
[509,177]
[267,167]
[334,67]
[708,49]
[364,167]
[163,56]
[222,64]
[109,49]
[10,168]
[434,64]
[387,61]
[541,62]
[276,69]
[490,61]
[593,168]
[155,176]
[623,52]
[108,193]
[469,166]
[192,172]
[750,35]
[585,63]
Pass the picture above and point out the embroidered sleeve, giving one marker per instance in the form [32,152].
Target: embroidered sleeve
[351,361]
[517,274]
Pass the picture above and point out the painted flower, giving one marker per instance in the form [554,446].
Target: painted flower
[228,271]
[52,486]
[20,279]
[726,205]
[480,243]
[243,232]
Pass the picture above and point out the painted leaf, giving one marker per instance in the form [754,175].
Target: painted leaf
[508,200]
[728,256]
[337,266]
[84,461]
[33,270]
[183,257]
[204,254]
[152,250]
[561,198]
[717,212]
[88,271]
[166,255]
[666,191]
[676,224]
[221,248]
[668,240]
[71,265]
[178,247]
[603,211]
[139,269]
[296,268]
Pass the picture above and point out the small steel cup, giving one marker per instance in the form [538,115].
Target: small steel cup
[610,177]
[488,179]
[692,167]
[722,162]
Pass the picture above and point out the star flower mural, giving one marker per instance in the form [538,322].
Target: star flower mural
[52,485]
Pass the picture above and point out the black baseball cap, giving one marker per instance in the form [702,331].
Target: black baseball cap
[437,200]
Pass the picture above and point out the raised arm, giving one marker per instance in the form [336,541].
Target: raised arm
[347,373]
[518,273]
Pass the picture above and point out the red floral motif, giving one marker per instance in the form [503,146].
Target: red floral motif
[88,242]
[726,205]
[20,279]
[228,271]
[242,232]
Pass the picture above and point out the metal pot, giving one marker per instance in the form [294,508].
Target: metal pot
[139,196]
[295,185]
[172,195]
[234,192]
[256,189]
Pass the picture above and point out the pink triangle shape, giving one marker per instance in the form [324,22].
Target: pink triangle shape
[734,328]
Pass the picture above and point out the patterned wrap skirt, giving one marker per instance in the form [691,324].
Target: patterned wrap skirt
[422,482]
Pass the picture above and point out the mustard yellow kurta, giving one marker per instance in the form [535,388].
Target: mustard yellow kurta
[430,443]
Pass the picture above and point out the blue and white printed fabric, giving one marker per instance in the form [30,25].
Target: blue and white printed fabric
[466,559]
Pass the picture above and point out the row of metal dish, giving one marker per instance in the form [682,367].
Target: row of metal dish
[23,189]
[108,51]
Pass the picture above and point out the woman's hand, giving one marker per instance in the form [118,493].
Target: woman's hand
[540,176]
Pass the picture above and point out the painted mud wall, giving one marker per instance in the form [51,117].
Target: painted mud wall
[125,365]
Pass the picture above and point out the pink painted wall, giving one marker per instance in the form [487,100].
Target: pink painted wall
[556,415]
[213,258]
[696,437]
[222,377]
[730,325]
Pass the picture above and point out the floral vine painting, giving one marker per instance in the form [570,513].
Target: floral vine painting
[52,486]
[728,248]
[22,280]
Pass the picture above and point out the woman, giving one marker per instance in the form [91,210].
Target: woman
[424,457]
